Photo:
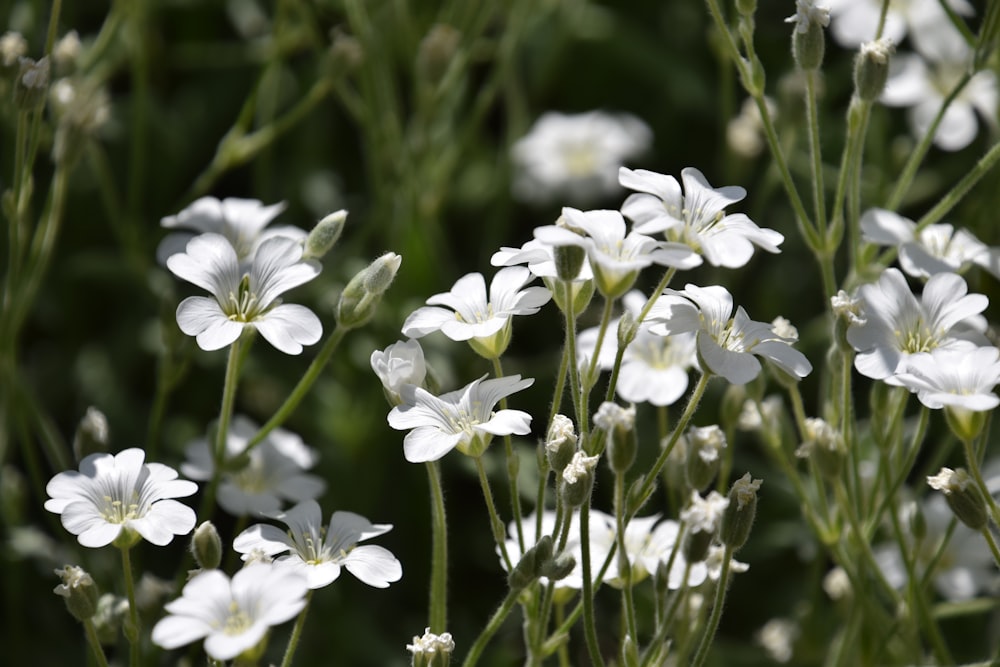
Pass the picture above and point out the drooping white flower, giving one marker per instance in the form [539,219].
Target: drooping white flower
[696,217]
[245,299]
[923,85]
[274,471]
[112,494]
[856,21]
[934,249]
[704,514]
[464,418]
[320,552]
[896,325]
[231,615]
[400,363]
[727,345]
[954,378]
[244,223]
[469,314]
[654,368]
[576,156]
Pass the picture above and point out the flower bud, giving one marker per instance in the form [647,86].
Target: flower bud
[324,235]
[871,68]
[431,650]
[111,613]
[703,445]
[531,564]
[361,296]
[824,445]
[746,7]
[79,591]
[577,479]
[964,423]
[66,52]
[206,546]
[559,567]
[696,545]
[808,39]
[345,55]
[622,442]
[437,52]
[32,83]
[13,45]
[962,495]
[739,515]
[399,364]
[569,261]
[561,443]
[91,436]
[628,327]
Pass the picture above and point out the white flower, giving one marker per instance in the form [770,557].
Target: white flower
[923,86]
[273,472]
[432,645]
[579,467]
[245,299]
[615,258]
[954,378]
[777,637]
[539,259]
[696,218]
[896,325]
[934,249]
[232,616]
[400,363]
[464,418]
[468,313]
[704,514]
[241,221]
[576,156]
[726,344]
[319,553]
[705,442]
[856,21]
[654,368]
[807,12]
[112,494]
[714,560]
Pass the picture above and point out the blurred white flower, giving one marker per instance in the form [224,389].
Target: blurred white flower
[954,378]
[576,156]
[464,418]
[727,345]
[896,325]
[245,298]
[241,221]
[116,495]
[273,471]
[319,552]
[232,616]
[696,218]
[924,21]
[777,637]
[934,249]
[704,514]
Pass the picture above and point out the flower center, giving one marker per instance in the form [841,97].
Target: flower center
[243,307]
[579,159]
[918,338]
[476,314]
[237,622]
[252,478]
[116,511]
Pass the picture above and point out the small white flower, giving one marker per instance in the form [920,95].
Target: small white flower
[856,21]
[245,299]
[432,645]
[113,494]
[469,314]
[464,419]
[274,470]
[897,325]
[848,307]
[241,221]
[714,560]
[13,46]
[954,378]
[576,156]
[234,615]
[754,417]
[727,345]
[320,552]
[807,12]
[696,218]
[705,442]
[935,249]
[579,467]
[399,364]
[704,514]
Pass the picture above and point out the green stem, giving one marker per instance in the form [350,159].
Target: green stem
[300,390]
[713,620]
[589,624]
[812,124]
[496,525]
[992,543]
[228,400]
[513,465]
[293,641]
[438,614]
[625,568]
[132,626]
[973,462]
[574,369]
[499,616]
[94,642]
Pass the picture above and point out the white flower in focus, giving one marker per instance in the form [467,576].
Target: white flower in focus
[245,299]
[273,473]
[934,249]
[954,378]
[431,645]
[464,418]
[539,259]
[399,364]
[704,514]
[468,314]
[727,345]
[856,21]
[897,325]
[576,156]
[241,221]
[319,552]
[234,615]
[696,218]
[923,86]
[654,368]
[112,494]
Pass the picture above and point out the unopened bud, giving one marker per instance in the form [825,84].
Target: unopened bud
[324,235]
[577,479]
[362,295]
[628,327]
[559,567]
[746,7]
[206,546]
[703,446]
[79,591]
[808,39]
[531,564]
[871,68]
[739,515]
[561,443]
[91,435]
[962,495]
[569,260]
[619,425]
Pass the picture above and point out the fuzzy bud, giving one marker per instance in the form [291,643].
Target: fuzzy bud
[561,443]
[871,68]
[569,260]
[739,515]
[531,564]
[824,445]
[32,83]
[559,567]
[746,7]
[577,479]
[324,235]
[808,39]
[962,495]
[206,546]
[703,445]
[79,591]
[628,328]
[619,425]
[362,295]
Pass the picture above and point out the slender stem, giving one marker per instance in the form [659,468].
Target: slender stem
[812,124]
[574,369]
[94,642]
[438,614]
[301,389]
[589,624]
[973,462]
[293,641]
[992,543]
[601,333]
[496,525]
[625,568]
[132,627]
[228,400]
[499,616]
[713,620]
[513,465]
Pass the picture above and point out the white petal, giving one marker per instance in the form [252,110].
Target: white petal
[373,565]
[425,320]
[289,326]
[209,262]
[428,444]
